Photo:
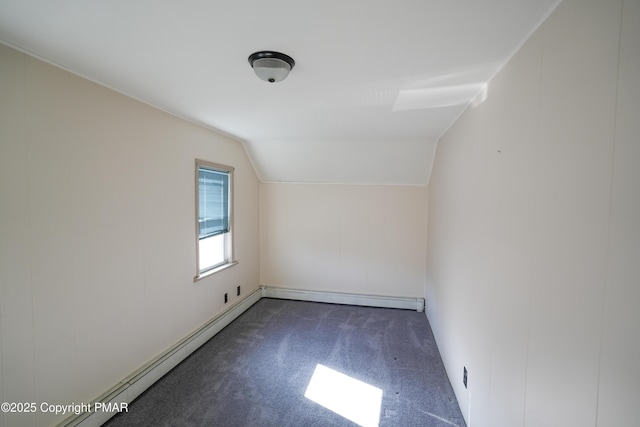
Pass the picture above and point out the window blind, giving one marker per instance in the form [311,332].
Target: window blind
[213,202]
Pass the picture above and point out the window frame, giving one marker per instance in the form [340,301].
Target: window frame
[228,236]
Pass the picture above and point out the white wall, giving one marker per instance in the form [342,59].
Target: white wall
[363,239]
[97,234]
[533,265]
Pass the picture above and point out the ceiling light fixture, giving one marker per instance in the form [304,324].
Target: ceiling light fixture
[271,66]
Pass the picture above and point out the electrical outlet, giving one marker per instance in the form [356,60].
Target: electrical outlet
[226,298]
[464,376]
[238,290]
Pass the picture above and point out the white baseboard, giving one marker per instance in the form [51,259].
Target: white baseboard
[344,298]
[135,384]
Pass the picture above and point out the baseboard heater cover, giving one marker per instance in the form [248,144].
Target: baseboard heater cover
[344,298]
[135,384]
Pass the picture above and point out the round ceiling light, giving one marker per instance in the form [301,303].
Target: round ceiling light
[271,66]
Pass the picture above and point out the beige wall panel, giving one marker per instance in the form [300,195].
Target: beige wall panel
[393,251]
[576,139]
[344,238]
[15,281]
[448,236]
[471,246]
[100,228]
[510,306]
[50,110]
[354,229]
[620,373]
[528,320]
[304,232]
[107,194]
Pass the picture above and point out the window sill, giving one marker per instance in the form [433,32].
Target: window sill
[214,270]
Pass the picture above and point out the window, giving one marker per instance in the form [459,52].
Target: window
[214,197]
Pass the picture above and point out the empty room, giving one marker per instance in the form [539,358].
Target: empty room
[410,213]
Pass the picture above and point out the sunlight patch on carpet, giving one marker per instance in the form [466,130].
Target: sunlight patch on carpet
[355,400]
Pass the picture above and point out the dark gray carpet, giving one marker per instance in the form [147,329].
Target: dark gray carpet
[256,370]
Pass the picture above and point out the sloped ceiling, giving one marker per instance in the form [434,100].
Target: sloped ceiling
[376,83]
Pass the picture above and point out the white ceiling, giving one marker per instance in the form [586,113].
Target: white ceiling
[376,83]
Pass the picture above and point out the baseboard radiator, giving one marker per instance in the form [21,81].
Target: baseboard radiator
[135,384]
[343,298]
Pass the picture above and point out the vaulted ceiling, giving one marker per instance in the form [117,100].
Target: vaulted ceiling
[375,84]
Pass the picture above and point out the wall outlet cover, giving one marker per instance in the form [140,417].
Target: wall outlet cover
[464,376]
